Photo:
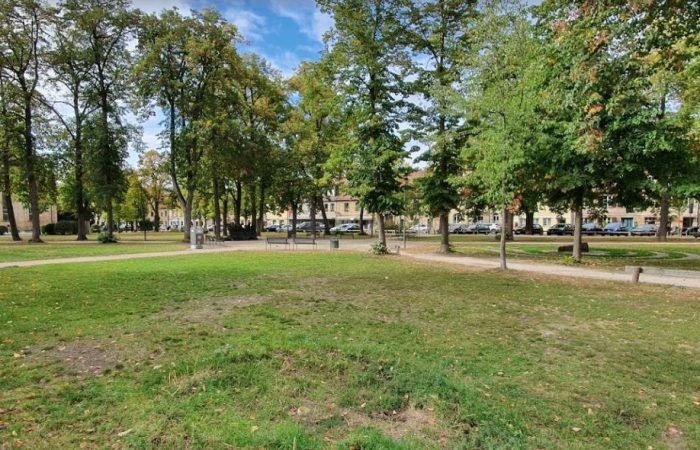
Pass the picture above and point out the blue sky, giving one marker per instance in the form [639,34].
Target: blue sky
[284,32]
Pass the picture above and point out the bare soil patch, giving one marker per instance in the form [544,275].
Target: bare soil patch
[206,310]
[84,357]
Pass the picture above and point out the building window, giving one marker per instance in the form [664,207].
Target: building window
[536,221]
[346,207]
[5,213]
[326,205]
[357,206]
[690,207]
[332,207]
[547,222]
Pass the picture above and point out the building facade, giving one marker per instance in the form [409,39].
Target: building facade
[23,215]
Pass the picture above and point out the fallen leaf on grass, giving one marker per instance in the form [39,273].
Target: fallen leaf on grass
[124,433]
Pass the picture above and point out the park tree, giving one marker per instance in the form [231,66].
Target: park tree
[70,65]
[503,98]
[369,63]
[315,119]
[22,25]
[439,33]
[154,180]
[108,26]
[182,63]
[10,150]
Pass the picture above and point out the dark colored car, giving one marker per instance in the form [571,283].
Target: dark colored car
[590,229]
[560,229]
[691,231]
[482,228]
[536,229]
[615,229]
[644,230]
[456,228]
[271,227]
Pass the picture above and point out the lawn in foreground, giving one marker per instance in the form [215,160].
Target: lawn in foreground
[285,350]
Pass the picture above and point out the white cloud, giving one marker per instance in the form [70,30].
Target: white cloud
[252,26]
[311,21]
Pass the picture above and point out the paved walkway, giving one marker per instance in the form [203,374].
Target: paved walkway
[363,246]
[557,270]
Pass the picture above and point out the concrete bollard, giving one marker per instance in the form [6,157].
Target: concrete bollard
[635,274]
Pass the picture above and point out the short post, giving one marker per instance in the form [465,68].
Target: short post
[335,243]
[398,249]
[635,274]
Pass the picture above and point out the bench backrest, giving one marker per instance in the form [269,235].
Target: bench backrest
[277,240]
[304,241]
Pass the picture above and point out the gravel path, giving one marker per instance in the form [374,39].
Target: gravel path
[558,270]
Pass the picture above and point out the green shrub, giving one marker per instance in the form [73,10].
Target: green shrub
[3,229]
[105,238]
[66,227]
[49,228]
[379,249]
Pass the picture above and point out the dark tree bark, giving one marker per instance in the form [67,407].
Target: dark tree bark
[253,207]
[662,231]
[30,166]
[444,232]
[529,221]
[362,219]
[7,192]
[225,214]
[217,210]
[237,201]
[502,246]
[578,232]
[261,209]
[294,220]
[508,230]
[326,223]
[382,231]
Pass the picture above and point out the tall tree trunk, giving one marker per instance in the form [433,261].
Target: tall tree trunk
[188,215]
[529,221]
[294,220]
[253,207]
[7,195]
[502,246]
[217,210]
[326,223]
[662,231]
[444,232]
[30,169]
[261,209]
[156,216]
[508,230]
[578,232]
[225,214]
[237,201]
[312,214]
[110,219]
[362,219]
[382,231]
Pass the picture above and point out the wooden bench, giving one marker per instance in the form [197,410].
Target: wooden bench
[302,241]
[269,242]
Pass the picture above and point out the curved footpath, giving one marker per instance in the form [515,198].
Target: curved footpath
[362,245]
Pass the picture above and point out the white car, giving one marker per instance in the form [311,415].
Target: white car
[419,228]
[494,228]
[346,228]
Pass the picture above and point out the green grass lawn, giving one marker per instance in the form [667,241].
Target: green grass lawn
[606,254]
[285,350]
[51,249]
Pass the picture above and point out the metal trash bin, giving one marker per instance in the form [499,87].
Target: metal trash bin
[335,244]
[196,238]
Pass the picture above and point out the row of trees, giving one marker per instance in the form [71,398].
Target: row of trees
[570,104]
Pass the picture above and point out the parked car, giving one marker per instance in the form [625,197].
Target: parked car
[482,228]
[644,230]
[494,228]
[346,228]
[590,229]
[615,229]
[692,230]
[456,228]
[536,229]
[272,227]
[696,234]
[419,228]
[561,229]
[283,228]
[470,229]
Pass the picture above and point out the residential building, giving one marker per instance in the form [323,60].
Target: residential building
[23,215]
